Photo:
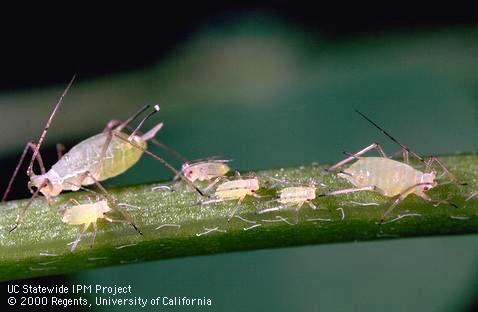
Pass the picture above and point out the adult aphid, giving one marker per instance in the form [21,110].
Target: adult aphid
[95,159]
[236,189]
[389,177]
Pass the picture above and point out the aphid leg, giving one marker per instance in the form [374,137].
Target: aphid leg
[399,198]
[110,199]
[405,156]
[70,201]
[78,237]
[164,162]
[28,146]
[93,238]
[404,153]
[296,210]
[60,150]
[22,213]
[212,184]
[359,153]
[392,206]
[437,201]
[254,194]
[352,190]
[311,205]
[114,123]
[169,149]
[236,208]
[429,163]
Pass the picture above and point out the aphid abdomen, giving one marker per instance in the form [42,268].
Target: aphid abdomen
[236,189]
[292,195]
[232,190]
[80,214]
[212,170]
[86,156]
[120,157]
[390,176]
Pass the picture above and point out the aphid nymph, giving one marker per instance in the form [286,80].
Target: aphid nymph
[293,197]
[236,189]
[87,214]
[205,169]
[84,214]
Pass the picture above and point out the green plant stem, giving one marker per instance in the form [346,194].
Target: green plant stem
[39,246]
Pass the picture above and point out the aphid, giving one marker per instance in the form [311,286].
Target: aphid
[95,159]
[199,169]
[86,215]
[294,196]
[389,177]
[205,170]
[236,189]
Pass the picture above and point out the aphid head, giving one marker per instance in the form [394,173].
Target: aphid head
[47,185]
[254,184]
[311,192]
[102,208]
[428,180]
[189,172]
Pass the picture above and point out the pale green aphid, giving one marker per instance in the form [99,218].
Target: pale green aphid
[86,215]
[75,213]
[205,169]
[389,177]
[293,197]
[95,159]
[236,189]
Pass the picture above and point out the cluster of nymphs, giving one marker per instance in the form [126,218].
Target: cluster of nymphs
[113,151]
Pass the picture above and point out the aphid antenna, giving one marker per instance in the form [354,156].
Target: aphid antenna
[36,147]
[165,163]
[48,124]
[156,109]
[390,136]
[132,117]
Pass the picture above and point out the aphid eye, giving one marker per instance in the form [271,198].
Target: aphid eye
[253,191]
[426,188]
[191,172]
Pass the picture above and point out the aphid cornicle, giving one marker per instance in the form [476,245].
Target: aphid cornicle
[389,177]
[95,159]
[236,189]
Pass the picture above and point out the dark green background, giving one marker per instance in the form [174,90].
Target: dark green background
[268,94]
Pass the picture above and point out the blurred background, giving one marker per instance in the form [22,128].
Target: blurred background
[267,84]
